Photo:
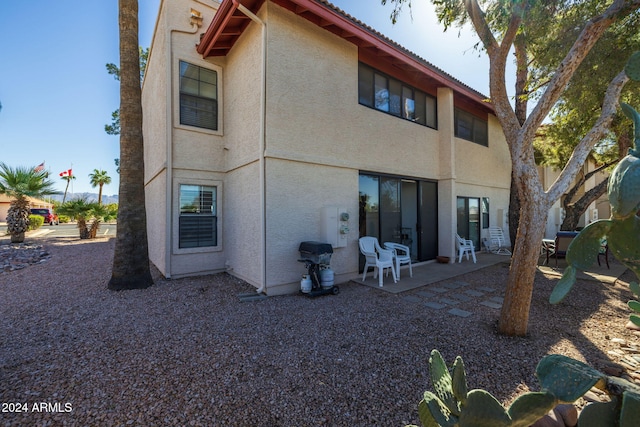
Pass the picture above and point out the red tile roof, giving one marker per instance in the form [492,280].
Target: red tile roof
[229,23]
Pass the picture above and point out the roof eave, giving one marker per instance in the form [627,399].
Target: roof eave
[338,22]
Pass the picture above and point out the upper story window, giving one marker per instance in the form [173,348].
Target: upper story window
[384,93]
[470,127]
[198,96]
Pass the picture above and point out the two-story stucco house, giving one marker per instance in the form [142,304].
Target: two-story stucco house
[266,121]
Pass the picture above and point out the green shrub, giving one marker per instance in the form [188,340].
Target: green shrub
[35,222]
[64,219]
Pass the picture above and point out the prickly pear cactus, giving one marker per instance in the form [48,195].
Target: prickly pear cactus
[562,378]
[622,230]
[635,305]
[452,405]
[632,69]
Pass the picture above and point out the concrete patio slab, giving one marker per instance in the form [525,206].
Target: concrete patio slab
[434,305]
[459,313]
[432,272]
[491,304]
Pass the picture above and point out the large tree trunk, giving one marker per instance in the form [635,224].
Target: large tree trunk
[18,219]
[535,202]
[514,211]
[131,258]
[514,317]
[82,229]
[522,96]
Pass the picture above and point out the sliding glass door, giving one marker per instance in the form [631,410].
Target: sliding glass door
[401,210]
[468,212]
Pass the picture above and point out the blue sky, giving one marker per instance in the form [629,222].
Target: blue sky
[57,96]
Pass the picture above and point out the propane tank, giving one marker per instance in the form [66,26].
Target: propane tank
[326,277]
[305,284]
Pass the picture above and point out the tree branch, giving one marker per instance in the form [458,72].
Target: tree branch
[482,28]
[568,197]
[590,34]
[596,133]
[497,61]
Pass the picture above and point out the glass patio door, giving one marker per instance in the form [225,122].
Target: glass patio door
[468,213]
[401,210]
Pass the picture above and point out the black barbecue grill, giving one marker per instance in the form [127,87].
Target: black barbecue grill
[316,256]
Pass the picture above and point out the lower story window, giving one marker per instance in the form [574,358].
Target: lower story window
[198,222]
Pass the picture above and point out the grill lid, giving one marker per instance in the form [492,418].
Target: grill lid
[315,248]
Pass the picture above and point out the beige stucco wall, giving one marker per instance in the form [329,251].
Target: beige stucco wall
[242,220]
[155,92]
[172,149]
[313,112]
[156,206]
[317,139]
[244,227]
[488,166]
[296,194]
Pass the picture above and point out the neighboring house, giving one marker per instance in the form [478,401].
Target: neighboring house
[599,209]
[5,204]
[267,120]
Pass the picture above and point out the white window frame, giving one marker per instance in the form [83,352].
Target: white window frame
[176,95]
[176,216]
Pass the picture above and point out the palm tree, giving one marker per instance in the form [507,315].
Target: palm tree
[19,184]
[80,210]
[67,178]
[87,215]
[99,178]
[131,257]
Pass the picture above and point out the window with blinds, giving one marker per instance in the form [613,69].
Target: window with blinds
[198,222]
[198,96]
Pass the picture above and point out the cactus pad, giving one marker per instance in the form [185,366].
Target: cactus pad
[530,407]
[564,285]
[584,248]
[567,378]
[632,69]
[441,380]
[630,412]
[433,413]
[459,381]
[598,414]
[483,410]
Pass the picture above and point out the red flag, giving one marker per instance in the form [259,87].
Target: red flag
[66,173]
[39,168]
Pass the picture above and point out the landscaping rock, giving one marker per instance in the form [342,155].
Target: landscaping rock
[18,256]
[561,416]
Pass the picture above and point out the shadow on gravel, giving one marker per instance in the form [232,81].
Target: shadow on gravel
[188,352]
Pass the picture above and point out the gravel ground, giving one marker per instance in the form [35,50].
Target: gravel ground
[187,352]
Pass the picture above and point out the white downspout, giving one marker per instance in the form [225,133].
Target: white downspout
[263,104]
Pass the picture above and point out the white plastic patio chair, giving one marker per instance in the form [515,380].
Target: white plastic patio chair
[401,256]
[376,257]
[465,247]
[497,242]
